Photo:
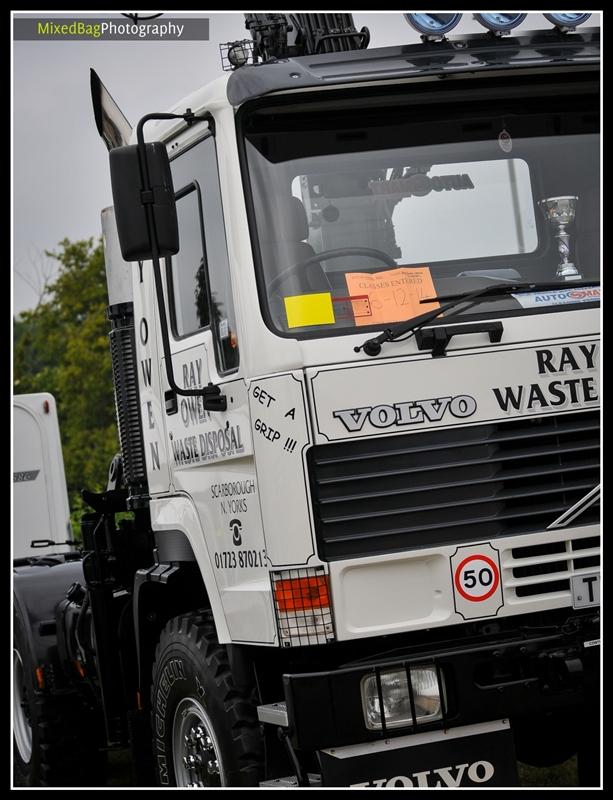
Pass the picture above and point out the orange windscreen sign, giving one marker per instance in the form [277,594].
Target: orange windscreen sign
[393,295]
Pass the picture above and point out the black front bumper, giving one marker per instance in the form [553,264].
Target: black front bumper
[519,674]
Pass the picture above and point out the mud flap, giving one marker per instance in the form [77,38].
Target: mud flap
[474,755]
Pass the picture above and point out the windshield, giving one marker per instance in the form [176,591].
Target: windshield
[362,209]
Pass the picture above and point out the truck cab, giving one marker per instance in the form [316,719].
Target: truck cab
[357,204]
[449,483]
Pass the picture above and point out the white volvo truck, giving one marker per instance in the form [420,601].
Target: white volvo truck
[354,310]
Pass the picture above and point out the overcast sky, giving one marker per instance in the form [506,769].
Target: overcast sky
[60,166]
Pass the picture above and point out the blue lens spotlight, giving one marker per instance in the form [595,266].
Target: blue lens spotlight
[567,21]
[500,22]
[433,26]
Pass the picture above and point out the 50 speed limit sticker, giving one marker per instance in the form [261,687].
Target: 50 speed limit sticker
[475,573]
[476,578]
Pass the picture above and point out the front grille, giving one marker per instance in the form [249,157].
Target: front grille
[387,494]
[546,568]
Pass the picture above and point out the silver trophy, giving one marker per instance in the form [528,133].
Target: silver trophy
[560,212]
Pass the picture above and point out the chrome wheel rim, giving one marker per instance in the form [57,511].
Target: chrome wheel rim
[195,749]
[21,723]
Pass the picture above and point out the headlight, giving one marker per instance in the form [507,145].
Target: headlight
[427,694]
[238,54]
[395,697]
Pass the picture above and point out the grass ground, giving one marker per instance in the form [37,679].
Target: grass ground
[562,775]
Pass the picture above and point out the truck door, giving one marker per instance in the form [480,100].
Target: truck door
[210,453]
[203,333]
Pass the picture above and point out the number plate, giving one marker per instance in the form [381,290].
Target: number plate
[586,590]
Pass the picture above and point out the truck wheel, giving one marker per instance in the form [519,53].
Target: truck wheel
[22,725]
[205,728]
[56,739]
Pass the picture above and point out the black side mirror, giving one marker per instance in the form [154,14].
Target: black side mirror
[130,201]
[147,228]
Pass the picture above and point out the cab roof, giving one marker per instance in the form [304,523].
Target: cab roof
[471,53]
[467,54]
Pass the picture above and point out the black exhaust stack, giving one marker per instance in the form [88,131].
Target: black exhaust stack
[116,131]
[125,368]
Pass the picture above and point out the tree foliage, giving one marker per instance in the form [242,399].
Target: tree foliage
[62,347]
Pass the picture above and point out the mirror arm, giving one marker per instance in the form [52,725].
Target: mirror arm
[213,399]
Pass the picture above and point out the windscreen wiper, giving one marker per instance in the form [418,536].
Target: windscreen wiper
[372,347]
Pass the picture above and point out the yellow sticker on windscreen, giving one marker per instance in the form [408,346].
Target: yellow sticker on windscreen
[393,295]
[309,309]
